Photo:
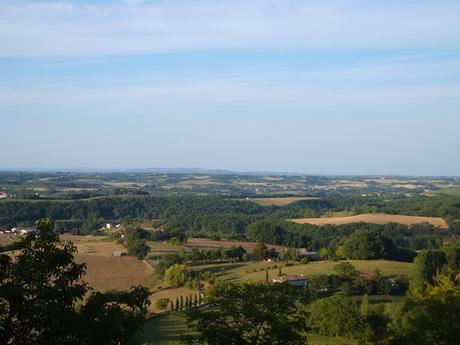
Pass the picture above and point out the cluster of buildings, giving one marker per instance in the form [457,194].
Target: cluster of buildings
[18,231]
[298,281]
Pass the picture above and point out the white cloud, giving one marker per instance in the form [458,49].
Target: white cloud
[45,28]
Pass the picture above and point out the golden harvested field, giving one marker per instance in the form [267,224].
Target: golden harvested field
[205,243]
[106,272]
[376,218]
[279,201]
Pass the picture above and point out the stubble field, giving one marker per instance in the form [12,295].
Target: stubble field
[376,218]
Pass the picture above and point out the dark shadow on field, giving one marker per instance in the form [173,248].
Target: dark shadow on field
[164,328]
[219,269]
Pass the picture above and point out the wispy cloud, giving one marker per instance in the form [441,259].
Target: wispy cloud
[48,28]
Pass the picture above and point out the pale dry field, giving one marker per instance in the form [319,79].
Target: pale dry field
[376,218]
[279,201]
[5,239]
[106,272]
[205,243]
[125,184]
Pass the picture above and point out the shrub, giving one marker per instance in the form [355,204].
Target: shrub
[162,303]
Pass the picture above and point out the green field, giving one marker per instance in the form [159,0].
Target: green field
[455,191]
[168,329]
[161,248]
[164,330]
[255,271]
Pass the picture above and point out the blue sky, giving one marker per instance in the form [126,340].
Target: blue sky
[336,87]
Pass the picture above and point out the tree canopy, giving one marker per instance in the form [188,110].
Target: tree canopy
[252,314]
[42,298]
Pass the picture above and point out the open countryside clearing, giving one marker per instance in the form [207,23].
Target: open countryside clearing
[376,218]
[255,271]
[106,272]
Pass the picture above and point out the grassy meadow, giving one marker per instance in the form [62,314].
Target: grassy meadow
[255,271]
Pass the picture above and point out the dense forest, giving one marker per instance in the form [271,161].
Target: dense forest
[207,212]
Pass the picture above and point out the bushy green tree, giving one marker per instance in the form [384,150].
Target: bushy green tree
[260,251]
[249,314]
[176,275]
[336,316]
[162,303]
[290,254]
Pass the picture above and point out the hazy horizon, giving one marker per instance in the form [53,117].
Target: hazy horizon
[317,87]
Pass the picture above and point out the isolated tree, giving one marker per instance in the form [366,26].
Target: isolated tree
[177,306]
[260,251]
[40,288]
[323,253]
[346,270]
[162,303]
[176,275]
[195,301]
[364,308]
[244,314]
[181,305]
[138,248]
[290,254]
[266,275]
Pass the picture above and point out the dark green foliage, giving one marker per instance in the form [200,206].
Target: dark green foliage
[266,231]
[430,316]
[336,316]
[138,248]
[290,254]
[453,257]
[368,245]
[40,288]
[177,305]
[249,314]
[427,265]
[162,303]
[135,243]
[195,301]
[167,261]
[261,252]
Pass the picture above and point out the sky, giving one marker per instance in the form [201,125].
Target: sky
[317,87]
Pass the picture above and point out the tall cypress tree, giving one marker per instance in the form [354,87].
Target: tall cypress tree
[195,300]
[177,303]
[181,307]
